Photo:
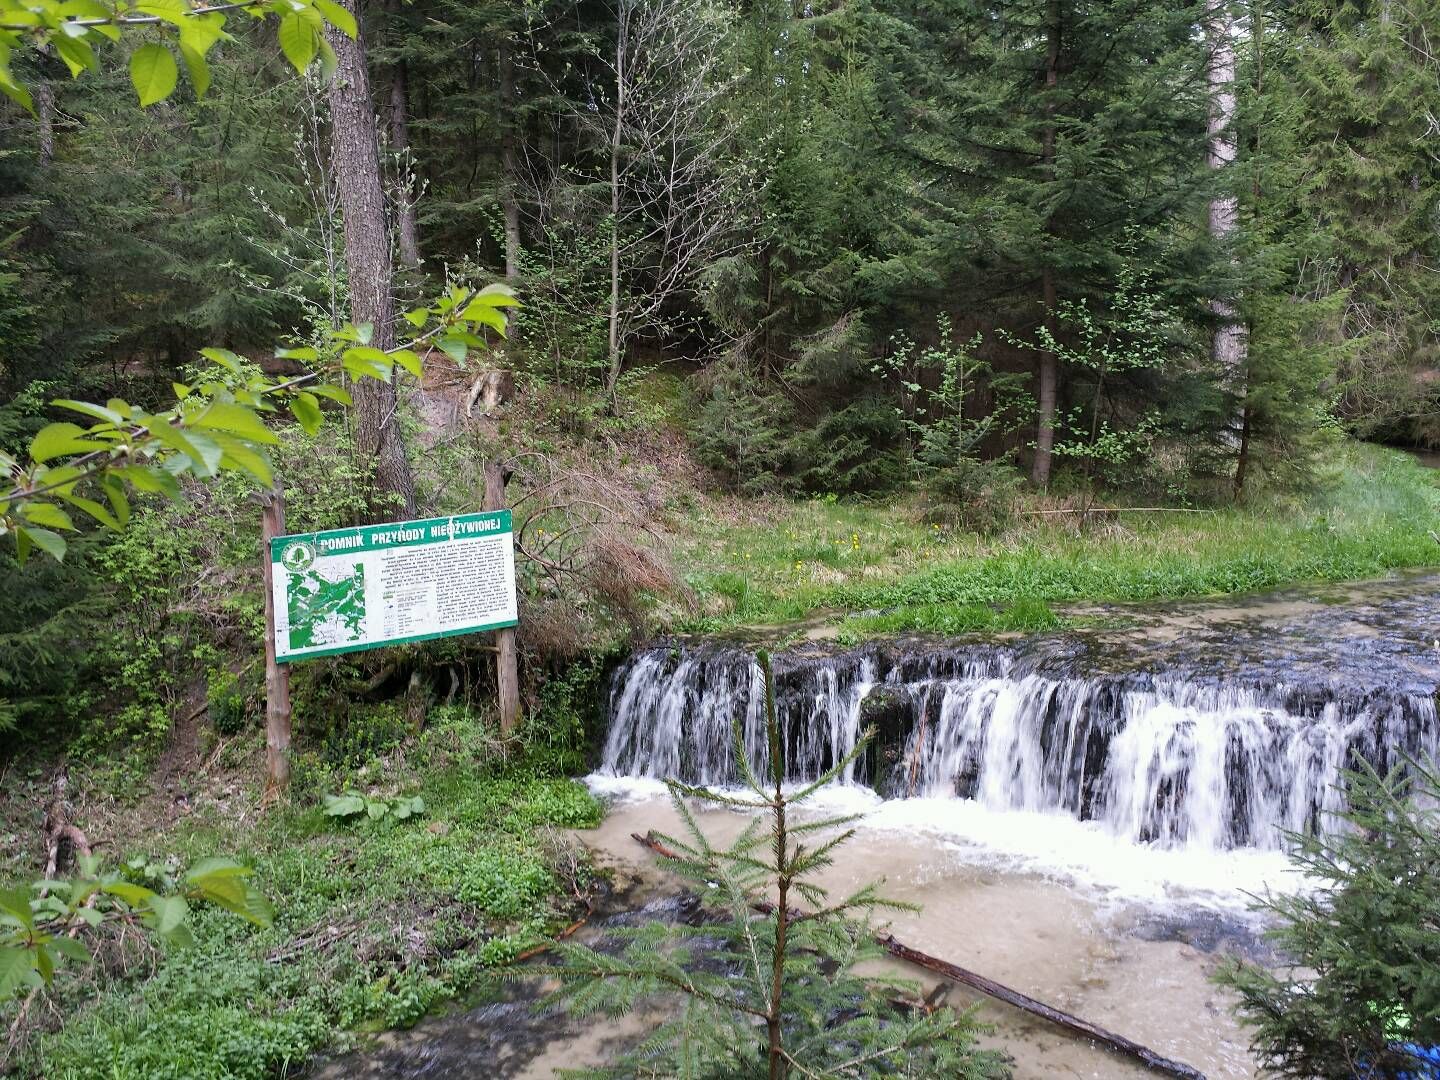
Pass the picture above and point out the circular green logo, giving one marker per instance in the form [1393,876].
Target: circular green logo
[298,557]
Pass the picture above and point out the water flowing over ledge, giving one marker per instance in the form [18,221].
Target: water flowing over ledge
[1213,737]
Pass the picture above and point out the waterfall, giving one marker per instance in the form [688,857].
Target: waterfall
[1178,760]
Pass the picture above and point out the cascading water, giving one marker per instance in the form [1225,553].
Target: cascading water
[1185,759]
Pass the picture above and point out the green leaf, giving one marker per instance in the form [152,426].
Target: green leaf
[216,867]
[418,318]
[153,71]
[168,913]
[205,454]
[236,419]
[14,91]
[337,16]
[304,353]
[197,67]
[454,348]
[363,362]
[236,896]
[409,360]
[48,515]
[77,54]
[55,440]
[497,295]
[147,478]
[88,408]
[15,903]
[44,960]
[298,40]
[137,896]
[17,969]
[95,510]
[346,805]
[225,358]
[172,11]
[114,489]
[71,949]
[306,408]
[240,456]
[334,393]
[329,63]
[486,316]
[53,544]
[199,33]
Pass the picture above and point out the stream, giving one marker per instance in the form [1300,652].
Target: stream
[1083,816]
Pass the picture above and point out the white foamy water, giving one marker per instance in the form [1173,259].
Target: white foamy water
[1046,844]
[1157,789]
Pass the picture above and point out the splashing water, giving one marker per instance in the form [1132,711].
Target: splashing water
[1202,775]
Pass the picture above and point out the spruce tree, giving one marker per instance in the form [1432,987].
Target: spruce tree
[767,990]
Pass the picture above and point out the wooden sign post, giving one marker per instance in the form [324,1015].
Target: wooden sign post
[507,665]
[277,675]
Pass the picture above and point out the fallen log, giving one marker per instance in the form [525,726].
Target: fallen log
[993,989]
[1028,1004]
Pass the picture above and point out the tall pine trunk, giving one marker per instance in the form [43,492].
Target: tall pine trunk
[1049,374]
[509,165]
[355,158]
[1230,342]
[616,344]
[45,120]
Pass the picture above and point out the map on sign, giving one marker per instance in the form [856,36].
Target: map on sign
[327,607]
[403,581]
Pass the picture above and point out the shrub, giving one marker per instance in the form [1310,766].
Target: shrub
[1361,988]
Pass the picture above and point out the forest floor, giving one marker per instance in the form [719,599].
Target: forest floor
[381,920]
[377,921]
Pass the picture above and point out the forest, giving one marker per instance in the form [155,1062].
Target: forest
[814,328]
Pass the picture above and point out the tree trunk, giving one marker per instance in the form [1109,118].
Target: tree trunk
[355,156]
[1049,375]
[507,660]
[408,229]
[277,675]
[1230,342]
[617,357]
[45,118]
[509,168]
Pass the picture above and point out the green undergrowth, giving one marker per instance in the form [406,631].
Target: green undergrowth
[1023,616]
[889,569]
[378,921]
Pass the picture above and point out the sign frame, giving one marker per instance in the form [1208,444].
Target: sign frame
[302,549]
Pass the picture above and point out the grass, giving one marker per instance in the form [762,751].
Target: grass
[377,922]
[885,569]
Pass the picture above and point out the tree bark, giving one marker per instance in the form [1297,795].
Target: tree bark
[407,228]
[510,171]
[507,660]
[355,156]
[277,675]
[1049,375]
[1230,342]
[45,119]
[617,356]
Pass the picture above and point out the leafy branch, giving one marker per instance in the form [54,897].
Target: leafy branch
[216,425]
[42,925]
[73,29]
